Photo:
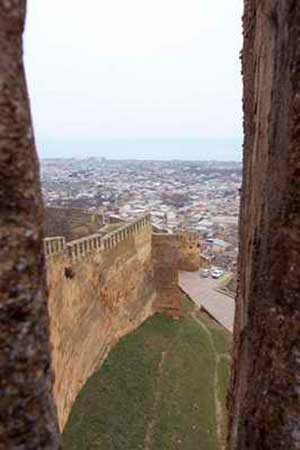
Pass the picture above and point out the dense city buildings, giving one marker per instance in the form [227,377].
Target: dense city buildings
[197,196]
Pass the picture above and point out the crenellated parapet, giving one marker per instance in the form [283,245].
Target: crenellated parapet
[101,287]
[72,223]
[83,247]
[54,246]
[79,248]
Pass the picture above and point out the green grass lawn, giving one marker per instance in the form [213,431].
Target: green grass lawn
[156,390]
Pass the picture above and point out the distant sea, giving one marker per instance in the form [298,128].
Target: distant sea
[145,149]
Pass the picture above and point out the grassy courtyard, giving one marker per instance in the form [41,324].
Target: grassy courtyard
[161,388]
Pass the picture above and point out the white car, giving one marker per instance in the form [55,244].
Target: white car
[217,273]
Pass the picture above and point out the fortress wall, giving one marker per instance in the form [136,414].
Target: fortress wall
[103,287]
[171,253]
[70,222]
[100,290]
[264,400]
[54,246]
[189,252]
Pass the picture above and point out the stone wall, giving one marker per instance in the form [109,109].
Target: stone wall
[27,413]
[189,250]
[264,401]
[165,263]
[99,290]
[72,223]
[171,253]
[103,287]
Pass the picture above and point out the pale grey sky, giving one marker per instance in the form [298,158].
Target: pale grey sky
[134,68]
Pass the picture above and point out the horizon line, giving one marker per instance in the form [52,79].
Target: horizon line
[140,159]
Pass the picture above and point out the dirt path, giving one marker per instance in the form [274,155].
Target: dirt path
[218,405]
[151,424]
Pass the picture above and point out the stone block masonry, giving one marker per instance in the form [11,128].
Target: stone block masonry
[264,401]
[189,250]
[72,223]
[27,413]
[171,253]
[103,287]
[54,246]
[99,290]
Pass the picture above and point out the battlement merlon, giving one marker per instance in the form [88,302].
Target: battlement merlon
[79,248]
[54,245]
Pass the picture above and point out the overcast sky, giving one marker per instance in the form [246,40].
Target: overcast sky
[134,68]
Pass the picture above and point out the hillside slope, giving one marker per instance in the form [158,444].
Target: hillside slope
[161,388]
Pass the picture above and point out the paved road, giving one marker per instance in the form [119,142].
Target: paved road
[202,292]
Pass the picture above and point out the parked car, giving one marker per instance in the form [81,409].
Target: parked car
[217,273]
[204,273]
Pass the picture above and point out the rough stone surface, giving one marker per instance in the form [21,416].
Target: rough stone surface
[109,294]
[264,402]
[27,413]
[72,223]
[103,288]
[189,251]
[171,253]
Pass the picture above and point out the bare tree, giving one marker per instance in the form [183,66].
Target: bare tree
[27,413]
[265,392]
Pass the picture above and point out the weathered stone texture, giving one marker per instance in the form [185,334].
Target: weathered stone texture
[171,253]
[109,293]
[189,249]
[72,223]
[264,402]
[27,413]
